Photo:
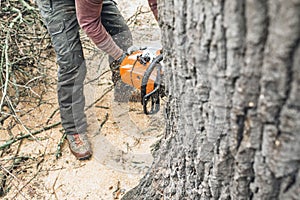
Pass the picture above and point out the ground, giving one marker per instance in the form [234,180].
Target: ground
[121,135]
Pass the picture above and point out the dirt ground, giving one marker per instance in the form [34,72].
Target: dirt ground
[121,135]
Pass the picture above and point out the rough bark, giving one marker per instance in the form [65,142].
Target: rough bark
[233,116]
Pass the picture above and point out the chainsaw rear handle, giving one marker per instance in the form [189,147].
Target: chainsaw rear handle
[153,95]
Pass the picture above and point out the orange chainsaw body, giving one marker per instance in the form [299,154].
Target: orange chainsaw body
[132,70]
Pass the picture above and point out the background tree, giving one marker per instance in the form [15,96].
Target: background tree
[233,114]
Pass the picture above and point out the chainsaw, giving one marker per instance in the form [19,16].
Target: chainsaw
[143,70]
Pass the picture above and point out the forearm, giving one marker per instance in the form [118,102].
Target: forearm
[153,6]
[89,18]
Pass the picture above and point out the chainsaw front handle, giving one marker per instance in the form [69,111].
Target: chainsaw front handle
[154,95]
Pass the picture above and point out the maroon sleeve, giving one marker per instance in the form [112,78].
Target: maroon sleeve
[89,18]
[153,6]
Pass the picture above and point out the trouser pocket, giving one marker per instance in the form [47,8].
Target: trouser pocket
[58,36]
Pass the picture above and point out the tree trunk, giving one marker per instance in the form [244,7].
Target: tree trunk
[233,115]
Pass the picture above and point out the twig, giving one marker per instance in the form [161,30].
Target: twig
[52,115]
[1,63]
[21,30]
[138,12]
[90,81]
[7,64]
[105,120]
[19,17]
[20,121]
[118,191]
[26,87]
[101,125]
[39,167]
[35,78]
[20,190]
[94,79]
[59,146]
[3,118]
[8,172]
[10,142]
[26,5]
[53,186]
[4,91]
[103,107]
[17,93]
[92,104]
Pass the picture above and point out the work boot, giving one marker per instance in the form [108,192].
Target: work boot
[80,146]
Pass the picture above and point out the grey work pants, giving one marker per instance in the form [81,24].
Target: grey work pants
[60,19]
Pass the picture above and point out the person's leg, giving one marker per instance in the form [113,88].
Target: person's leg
[61,21]
[116,26]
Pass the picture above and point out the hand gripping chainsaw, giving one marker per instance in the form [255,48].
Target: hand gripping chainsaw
[143,70]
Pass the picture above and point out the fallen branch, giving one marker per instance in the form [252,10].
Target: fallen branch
[10,142]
